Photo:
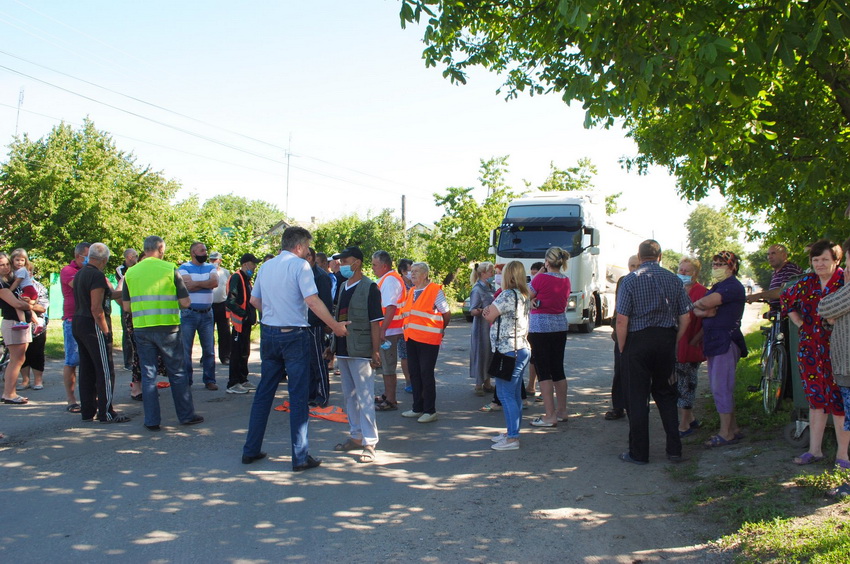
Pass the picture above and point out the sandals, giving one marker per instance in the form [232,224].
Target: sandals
[348,445]
[73,408]
[839,492]
[807,458]
[368,455]
[718,441]
[18,400]
[116,419]
[490,407]
[386,405]
[539,422]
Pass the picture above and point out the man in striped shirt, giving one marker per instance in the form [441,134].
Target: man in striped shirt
[201,279]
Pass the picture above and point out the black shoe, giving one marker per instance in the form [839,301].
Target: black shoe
[225,362]
[249,459]
[152,427]
[626,457]
[194,420]
[675,458]
[311,463]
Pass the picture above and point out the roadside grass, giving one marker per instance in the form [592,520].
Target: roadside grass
[770,516]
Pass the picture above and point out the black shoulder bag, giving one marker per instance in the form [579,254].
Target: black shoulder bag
[502,366]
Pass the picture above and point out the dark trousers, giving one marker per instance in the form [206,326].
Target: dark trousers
[618,391]
[126,343]
[421,360]
[320,385]
[96,372]
[239,351]
[222,325]
[650,355]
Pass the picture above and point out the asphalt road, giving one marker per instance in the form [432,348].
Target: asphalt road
[74,491]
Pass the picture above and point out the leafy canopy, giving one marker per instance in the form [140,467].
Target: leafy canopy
[751,98]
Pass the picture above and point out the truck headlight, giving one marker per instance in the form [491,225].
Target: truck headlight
[571,303]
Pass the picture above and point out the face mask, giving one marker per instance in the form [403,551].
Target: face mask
[201,258]
[719,274]
[85,260]
[346,271]
[250,273]
[498,279]
[685,278]
[491,279]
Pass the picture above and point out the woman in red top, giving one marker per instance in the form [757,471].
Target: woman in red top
[689,352]
[800,304]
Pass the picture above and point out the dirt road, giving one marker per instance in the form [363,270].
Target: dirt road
[74,491]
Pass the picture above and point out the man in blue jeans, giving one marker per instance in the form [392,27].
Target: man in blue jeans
[201,279]
[154,293]
[283,291]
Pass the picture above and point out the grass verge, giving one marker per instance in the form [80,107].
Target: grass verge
[769,509]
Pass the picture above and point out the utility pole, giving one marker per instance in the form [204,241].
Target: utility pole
[20,103]
[404,221]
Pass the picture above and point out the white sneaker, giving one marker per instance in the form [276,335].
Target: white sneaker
[427,418]
[505,445]
[499,438]
[248,386]
[411,414]
[237,389]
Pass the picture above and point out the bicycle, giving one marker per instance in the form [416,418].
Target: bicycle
[775,373]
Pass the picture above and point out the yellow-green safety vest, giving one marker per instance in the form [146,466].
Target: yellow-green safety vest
[153,294]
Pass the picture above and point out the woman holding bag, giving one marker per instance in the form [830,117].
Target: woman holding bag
[509,317]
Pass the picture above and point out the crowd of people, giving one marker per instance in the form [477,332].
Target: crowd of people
[313,309]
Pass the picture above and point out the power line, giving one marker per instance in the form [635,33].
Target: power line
[151,104]
[129,112]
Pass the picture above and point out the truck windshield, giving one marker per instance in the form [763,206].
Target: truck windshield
[528,241]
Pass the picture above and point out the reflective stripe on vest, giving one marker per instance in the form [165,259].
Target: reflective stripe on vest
[153,294]
[398,318]
[422,322]
[234,318]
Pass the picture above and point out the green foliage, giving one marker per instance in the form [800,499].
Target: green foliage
[752,99]
[670,259]
[709,232]
[461,236]
[374,233]
[760,267]
[72,186]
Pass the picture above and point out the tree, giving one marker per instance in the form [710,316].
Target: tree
[237,225]
[579,177]
[373,233]
[709,232]
[761,269]
[73,186]
[750,98]
[461,235]
[670,259]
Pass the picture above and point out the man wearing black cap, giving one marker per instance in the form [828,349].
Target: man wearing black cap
[243,316]
[358,353]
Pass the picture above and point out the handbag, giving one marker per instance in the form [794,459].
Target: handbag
[501,365]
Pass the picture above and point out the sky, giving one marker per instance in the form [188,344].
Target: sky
[321,108]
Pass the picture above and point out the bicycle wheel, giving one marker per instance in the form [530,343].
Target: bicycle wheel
[774,378]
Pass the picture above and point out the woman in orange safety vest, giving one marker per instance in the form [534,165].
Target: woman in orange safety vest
[426,316]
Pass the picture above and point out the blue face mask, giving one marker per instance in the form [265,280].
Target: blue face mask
[346,271]
[685,278]
[250,273]
[85,260]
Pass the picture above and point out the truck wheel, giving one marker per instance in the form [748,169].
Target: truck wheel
[588,326]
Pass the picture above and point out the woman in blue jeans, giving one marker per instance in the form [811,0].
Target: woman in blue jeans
[508,315]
